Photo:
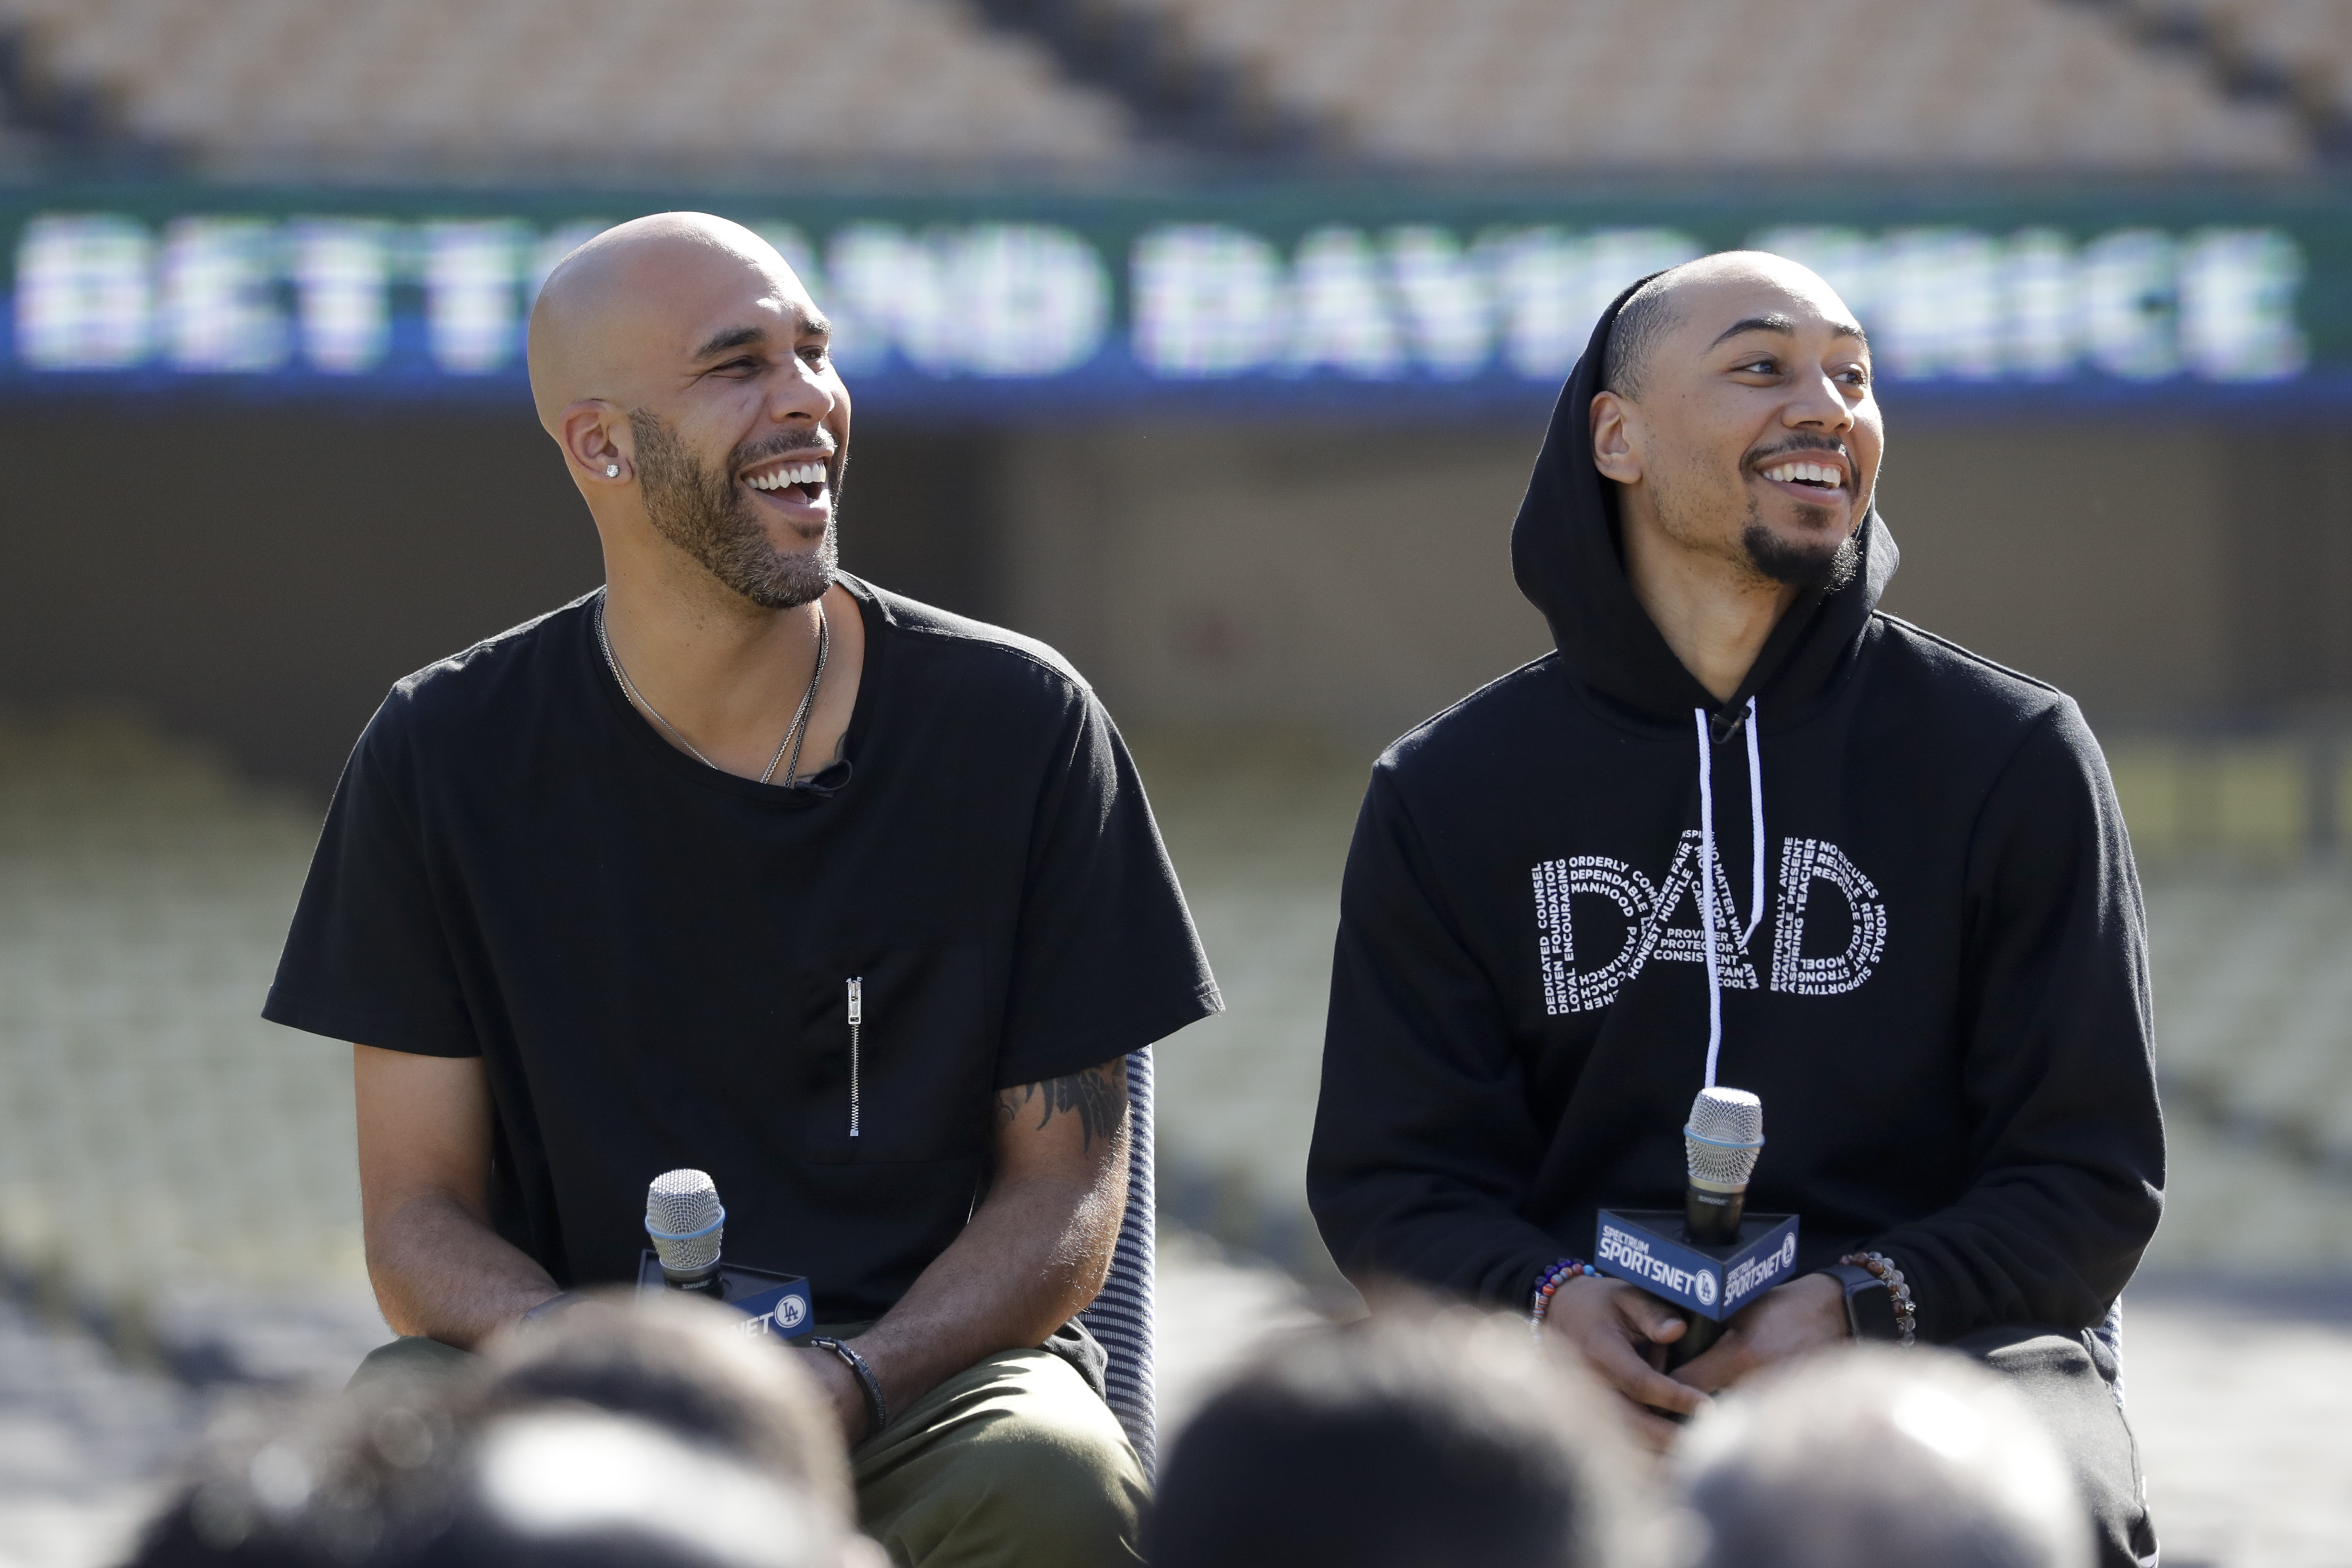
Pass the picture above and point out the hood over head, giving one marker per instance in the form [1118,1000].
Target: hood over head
[1568,561]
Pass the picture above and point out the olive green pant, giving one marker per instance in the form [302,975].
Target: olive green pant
[1013,1463]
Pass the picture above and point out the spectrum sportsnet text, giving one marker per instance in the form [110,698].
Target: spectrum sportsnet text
[1752,1274]
[1632,1254]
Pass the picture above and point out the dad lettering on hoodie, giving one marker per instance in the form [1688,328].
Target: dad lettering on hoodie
[1643,931]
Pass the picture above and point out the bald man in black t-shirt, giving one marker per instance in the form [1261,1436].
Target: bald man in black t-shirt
[742,863]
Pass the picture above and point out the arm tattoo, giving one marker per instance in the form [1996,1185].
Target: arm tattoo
[1099,1095]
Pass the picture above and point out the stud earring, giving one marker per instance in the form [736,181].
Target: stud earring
[612,470]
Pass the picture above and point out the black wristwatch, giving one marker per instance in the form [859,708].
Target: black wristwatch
[1869,1304]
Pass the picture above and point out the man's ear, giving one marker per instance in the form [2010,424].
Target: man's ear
[1614,451]
[598,441]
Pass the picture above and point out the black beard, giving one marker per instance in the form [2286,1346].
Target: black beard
[703,514]
[1801,566]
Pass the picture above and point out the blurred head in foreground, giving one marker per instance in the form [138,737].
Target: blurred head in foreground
[602,1438]
[1424,1435]
[684,1364]
[1868,1456]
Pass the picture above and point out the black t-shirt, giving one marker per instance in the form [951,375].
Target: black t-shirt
[653,958]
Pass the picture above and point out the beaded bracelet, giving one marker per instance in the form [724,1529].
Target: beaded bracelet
[1906,1319]
[1553,1278]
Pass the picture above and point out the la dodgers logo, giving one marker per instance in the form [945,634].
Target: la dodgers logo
[1648,912]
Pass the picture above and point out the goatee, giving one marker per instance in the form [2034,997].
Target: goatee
[703,514]
[1826,568]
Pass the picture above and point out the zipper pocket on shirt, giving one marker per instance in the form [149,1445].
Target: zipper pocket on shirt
[856,1018]
[889,1055]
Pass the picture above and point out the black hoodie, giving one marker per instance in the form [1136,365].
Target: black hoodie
[1943,1003]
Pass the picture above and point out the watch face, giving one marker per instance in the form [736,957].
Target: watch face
[1870,1311]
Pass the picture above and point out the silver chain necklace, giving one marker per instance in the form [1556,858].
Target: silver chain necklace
[792,737]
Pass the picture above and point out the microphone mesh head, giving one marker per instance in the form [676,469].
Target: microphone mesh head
[1725,1132]
[680,1202]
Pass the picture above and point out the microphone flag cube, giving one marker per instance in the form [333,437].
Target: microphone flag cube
[771,1303]
[1648,1246]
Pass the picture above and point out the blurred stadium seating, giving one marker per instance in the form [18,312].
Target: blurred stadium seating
[595,88]
[2266,800]
[1713,84]
[2256,1006]
[2302,46]
[570,87]
[156,1137]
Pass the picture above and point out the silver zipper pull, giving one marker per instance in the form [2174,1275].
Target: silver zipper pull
[856,1017]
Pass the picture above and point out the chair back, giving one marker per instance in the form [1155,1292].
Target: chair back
[2110,1334]
[1122,1317]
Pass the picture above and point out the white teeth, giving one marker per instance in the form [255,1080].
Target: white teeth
[1813,473]
[806,474]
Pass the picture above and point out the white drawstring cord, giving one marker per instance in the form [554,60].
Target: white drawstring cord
[1703,884]
[1756,828]
[1703,889]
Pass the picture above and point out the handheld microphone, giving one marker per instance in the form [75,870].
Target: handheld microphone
[684,1221]
[1720,1146]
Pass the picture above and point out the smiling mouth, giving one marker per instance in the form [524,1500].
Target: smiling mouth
[808,479]
[1825,477]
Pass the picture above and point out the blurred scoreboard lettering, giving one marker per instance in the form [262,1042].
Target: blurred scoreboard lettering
[1312,296]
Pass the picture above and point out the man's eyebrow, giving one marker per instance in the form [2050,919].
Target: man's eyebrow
[812,322]
[1786,326]
[732,337]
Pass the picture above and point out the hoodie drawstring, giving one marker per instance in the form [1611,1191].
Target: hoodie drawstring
[1703,884]
[1756,828]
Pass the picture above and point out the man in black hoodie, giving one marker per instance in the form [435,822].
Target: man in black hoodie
[1744,827]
